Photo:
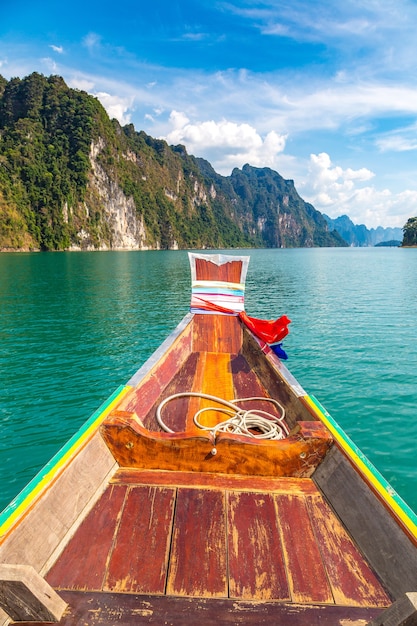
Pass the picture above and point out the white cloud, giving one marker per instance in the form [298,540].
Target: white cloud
[50,64]
[225,144]
[399,140]
[81,83]
[337,191]
[58,49]
[116,106]
[381,33]
[92,41]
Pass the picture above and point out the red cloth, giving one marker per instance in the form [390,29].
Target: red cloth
[270,331]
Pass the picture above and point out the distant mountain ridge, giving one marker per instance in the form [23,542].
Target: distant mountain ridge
[72,179]
[360,235]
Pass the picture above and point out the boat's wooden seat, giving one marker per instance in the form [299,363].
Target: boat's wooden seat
[132,445]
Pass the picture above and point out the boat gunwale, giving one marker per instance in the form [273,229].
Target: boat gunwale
[21,504]
[390,499]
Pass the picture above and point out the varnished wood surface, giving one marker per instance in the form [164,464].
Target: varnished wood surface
[212,358]
[297,455]
[109,609]
[217,333]
[206,480]
[217,543]
[229,272]
[254,539]
[138,442]
[198,565]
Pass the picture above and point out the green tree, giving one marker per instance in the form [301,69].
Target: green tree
[410,232]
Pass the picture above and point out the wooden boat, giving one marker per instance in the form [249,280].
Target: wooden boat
[146,518]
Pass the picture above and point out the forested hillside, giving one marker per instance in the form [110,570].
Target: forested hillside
[71,178]
[410,232]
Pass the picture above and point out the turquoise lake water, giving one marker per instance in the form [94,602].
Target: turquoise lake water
[74,326]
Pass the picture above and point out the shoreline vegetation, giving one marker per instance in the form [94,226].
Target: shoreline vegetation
[73,179]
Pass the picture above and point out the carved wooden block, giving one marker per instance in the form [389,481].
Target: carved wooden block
[25,596]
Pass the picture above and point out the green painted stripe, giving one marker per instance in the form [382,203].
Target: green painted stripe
[32,486]
[385,489]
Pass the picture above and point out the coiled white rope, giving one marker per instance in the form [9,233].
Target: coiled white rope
[241,421]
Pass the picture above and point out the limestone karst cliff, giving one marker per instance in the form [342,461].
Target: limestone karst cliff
[71,178]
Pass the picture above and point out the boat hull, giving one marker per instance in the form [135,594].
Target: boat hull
[158,526]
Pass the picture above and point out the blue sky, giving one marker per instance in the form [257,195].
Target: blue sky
[322,91]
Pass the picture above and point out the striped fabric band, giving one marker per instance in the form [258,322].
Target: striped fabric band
[218,279]
[228,295]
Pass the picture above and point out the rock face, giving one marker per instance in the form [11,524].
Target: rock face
[359,235]
[126,230]
[71,178]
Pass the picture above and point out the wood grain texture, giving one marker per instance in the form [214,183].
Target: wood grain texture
[150,387]
[388,549]
[351,578]
[175,413]
[104,609]
[83,562]
[206,480]
[224,536]
[134,446]
[198,554]
[37,535]
[229,272]
[25,595]
[139,558]
[306,573]
[247,385]
[274,383]
[217,333]
[403,612]
[217,381]
[256,566]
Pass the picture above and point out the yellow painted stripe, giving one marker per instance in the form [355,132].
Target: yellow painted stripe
[387,493]
[21,504]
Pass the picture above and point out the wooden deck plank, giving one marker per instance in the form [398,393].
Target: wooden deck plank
[198,553]
[82,564]
[247,385]
[217,381]
[175,413]
[217,333]
[104,609]
[206,480]
[139,559]
[256,566]
[194,403]
[352,580]
[142,397]
[213,376]
[391,553]
[306,574]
